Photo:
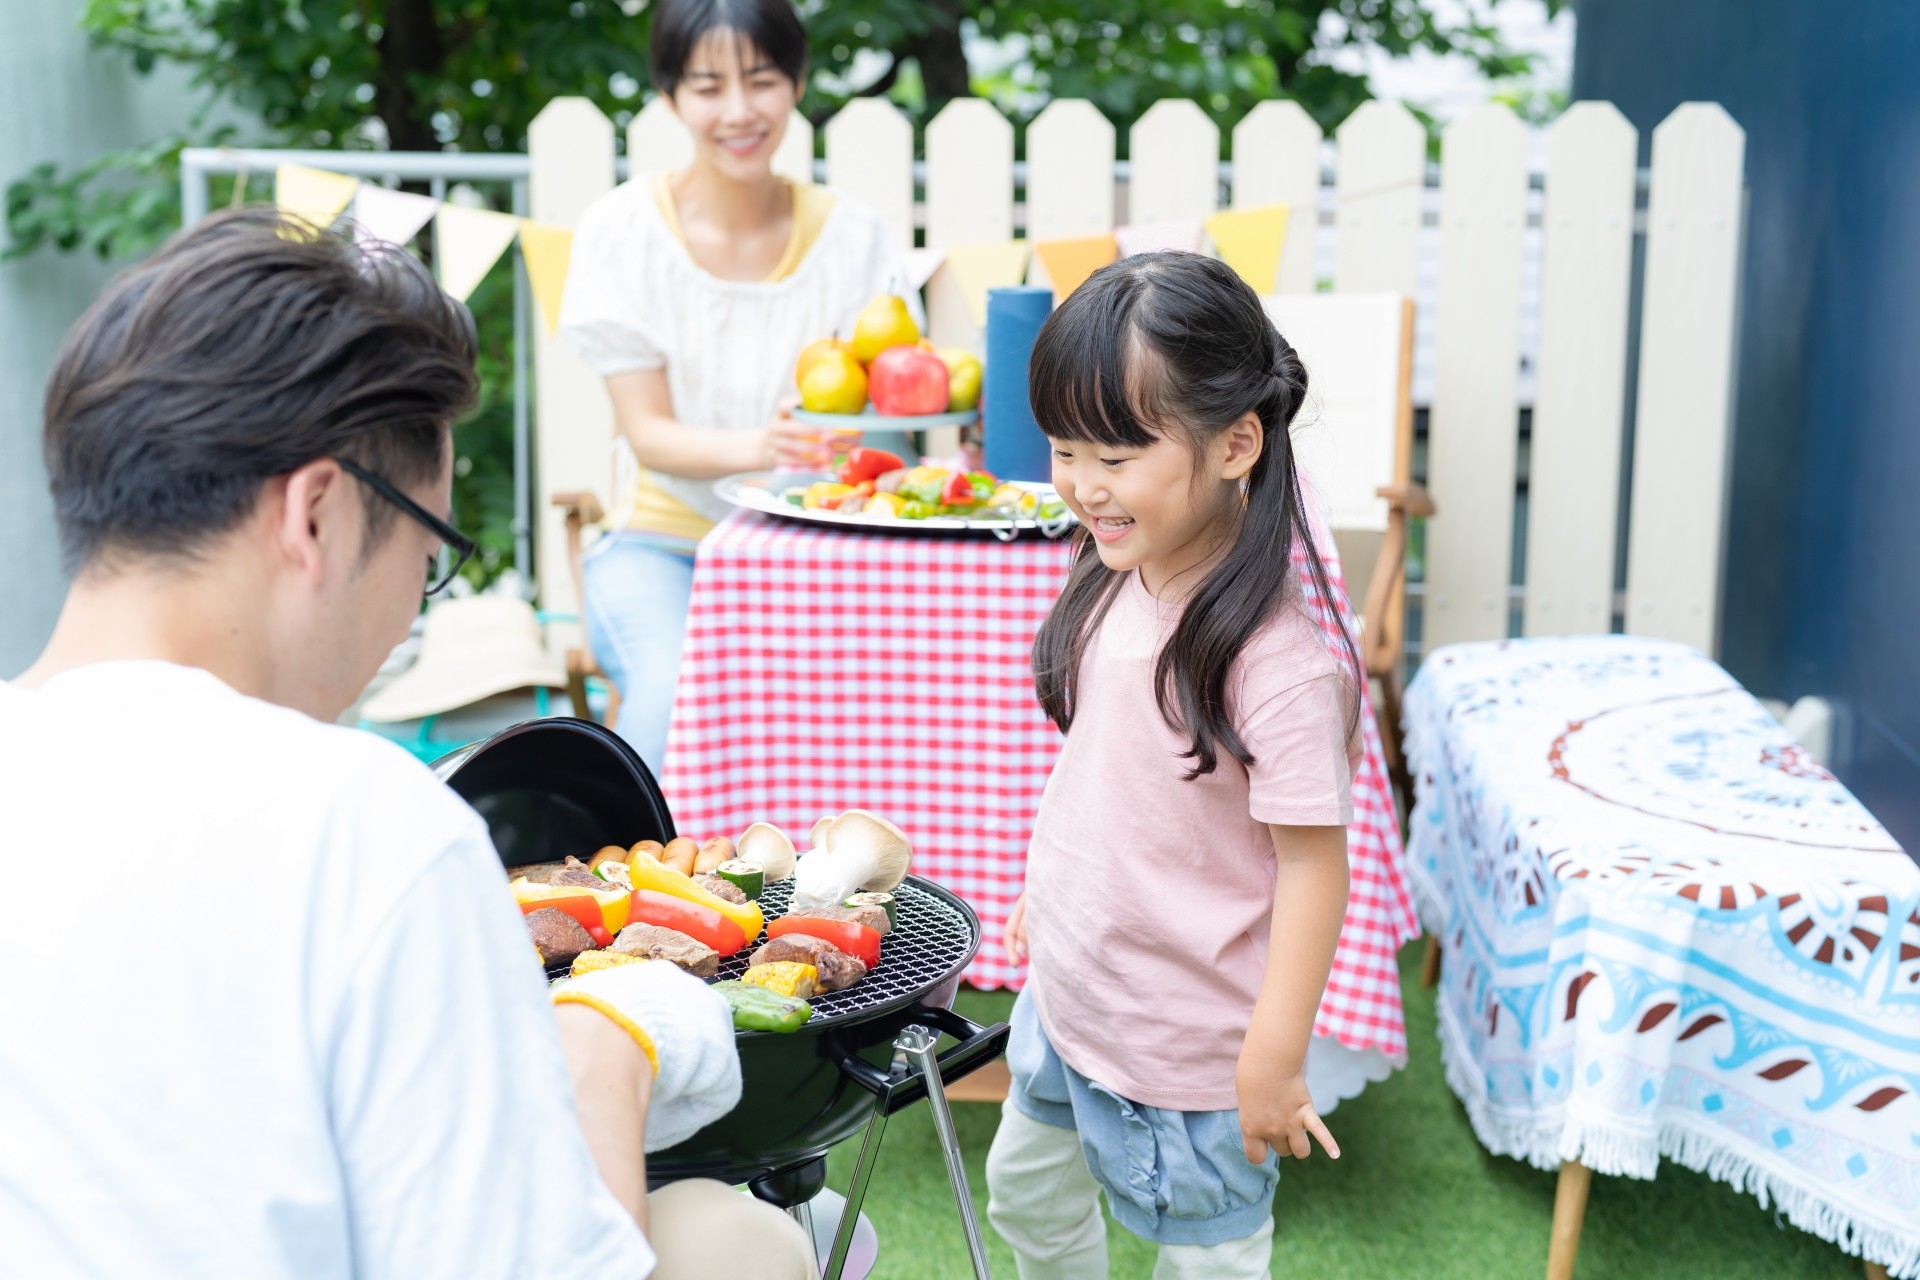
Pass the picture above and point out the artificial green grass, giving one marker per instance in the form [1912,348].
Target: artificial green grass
[1413,1195]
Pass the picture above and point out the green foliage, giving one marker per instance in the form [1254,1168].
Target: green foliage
[471,74]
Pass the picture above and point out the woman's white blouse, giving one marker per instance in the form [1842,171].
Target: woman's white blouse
[635,299]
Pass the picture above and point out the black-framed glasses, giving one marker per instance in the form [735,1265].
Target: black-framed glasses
[459,543]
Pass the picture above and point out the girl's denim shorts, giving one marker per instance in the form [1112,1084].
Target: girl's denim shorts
[1172,1177]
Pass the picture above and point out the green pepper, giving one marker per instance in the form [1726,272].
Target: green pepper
[758,1009]
[1051,511]
[914,509]
[983,484]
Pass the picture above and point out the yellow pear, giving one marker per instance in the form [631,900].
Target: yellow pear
[964,372]
[835,384]
[814,353]
[884,322]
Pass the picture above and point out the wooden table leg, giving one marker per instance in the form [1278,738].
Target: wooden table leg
[1876,1272]
[1430,963]
[1569,1210]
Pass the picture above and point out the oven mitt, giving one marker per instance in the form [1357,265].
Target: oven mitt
[685,1028]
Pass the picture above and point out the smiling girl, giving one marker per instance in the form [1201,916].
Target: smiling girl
[692,293]
[1187,876]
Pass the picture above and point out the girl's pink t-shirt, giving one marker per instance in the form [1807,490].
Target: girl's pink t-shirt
[1150,898]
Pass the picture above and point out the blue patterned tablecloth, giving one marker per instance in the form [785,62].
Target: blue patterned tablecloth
[1668,932]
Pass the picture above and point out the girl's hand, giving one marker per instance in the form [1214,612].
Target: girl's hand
[1016,934]
[1276,1111]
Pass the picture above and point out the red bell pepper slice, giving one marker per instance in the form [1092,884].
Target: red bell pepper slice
[958,491]
[703,924]
[868,464]
[601,938]
[852,937]
[584,907]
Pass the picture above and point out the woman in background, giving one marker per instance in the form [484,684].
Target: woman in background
[692,293]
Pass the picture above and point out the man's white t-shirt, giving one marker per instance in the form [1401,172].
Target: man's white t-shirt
[266,1008]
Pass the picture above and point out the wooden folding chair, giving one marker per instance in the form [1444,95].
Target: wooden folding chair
[582,509]
[1353,439]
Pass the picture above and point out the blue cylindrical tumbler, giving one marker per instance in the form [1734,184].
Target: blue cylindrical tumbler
[1014,447]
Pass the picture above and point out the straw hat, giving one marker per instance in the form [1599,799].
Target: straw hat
[471,649]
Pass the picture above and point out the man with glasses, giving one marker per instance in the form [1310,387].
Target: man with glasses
[266,1006]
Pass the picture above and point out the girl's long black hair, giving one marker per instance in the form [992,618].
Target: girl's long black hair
[1158,345]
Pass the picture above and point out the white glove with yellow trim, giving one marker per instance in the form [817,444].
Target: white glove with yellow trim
[686,1029]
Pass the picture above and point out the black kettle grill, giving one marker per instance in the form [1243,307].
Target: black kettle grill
[549,788]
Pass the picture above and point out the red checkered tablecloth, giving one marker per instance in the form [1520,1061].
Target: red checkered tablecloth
[826,670]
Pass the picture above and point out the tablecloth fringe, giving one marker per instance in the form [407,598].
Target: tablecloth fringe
[1619,1151]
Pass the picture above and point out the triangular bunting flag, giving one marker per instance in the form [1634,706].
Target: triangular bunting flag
[312,194]
[471,241]
[921,264]
[547,249]
[390,217]
[977,268]
[1249,241]
[1150,237]
[1069,262]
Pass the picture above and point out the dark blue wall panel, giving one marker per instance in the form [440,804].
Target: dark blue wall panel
[1823,573]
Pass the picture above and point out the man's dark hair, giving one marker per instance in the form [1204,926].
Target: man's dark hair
[769,32]
[250,345]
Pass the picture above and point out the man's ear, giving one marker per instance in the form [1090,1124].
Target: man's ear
[313,516]
[1244,437]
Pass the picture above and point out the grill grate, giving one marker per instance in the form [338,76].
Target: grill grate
[932,940]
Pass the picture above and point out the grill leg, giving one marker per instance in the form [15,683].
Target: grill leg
[856,1194]
[802,1213]
[919,1050]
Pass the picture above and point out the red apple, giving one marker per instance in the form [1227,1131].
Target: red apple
[905,381]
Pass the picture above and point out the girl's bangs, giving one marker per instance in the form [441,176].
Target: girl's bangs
[1083,385]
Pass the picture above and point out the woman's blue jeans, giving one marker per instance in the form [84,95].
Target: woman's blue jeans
[636,607]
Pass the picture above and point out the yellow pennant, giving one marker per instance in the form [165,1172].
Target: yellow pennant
[470,242]
[312,194]
[547,249]
[1249,241]
[1069,262]
[977,268]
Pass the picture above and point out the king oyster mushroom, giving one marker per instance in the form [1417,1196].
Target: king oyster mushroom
[855,851]
[767,847]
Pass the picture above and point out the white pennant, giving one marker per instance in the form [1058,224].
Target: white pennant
[921,264]
[394,217]
[1150,237]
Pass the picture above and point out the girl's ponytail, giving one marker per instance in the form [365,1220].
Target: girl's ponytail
[1217,357]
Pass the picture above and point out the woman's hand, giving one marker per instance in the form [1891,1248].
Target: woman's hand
[1276,1111]
[801,446]
[1015,936]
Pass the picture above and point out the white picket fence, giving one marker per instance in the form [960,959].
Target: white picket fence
[1485,248]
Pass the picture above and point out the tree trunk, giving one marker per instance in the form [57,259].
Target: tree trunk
[943,62]
[411,44]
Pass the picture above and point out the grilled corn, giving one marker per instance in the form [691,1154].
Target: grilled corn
[785,977]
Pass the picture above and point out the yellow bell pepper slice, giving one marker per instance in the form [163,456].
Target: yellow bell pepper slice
[614,903]
[816,496]
[648,872]
[883,504]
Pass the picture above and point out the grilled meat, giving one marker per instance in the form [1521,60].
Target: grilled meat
[657,942]
[557,935]
[838,970]
[875,918]
[721,888]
